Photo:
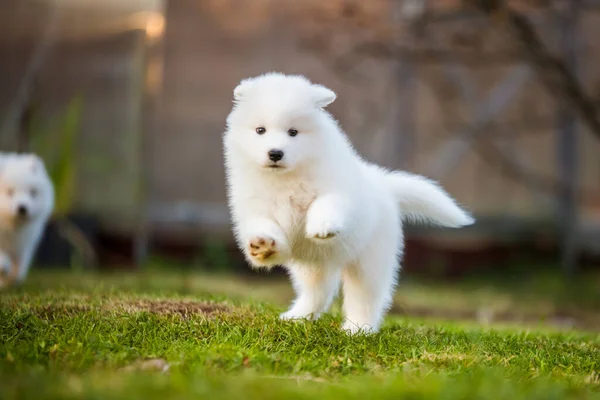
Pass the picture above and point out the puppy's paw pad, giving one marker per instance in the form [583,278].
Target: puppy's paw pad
[262,248]
[325,235]
[322,232]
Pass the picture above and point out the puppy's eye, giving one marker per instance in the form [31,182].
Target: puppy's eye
[10,192]
[293,132]
[33,192]
[260,130]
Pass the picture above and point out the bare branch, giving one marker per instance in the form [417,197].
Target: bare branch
[552,71]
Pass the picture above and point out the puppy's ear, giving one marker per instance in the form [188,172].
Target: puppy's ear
[6,159]
[241,89]
[34,162]
[323,96]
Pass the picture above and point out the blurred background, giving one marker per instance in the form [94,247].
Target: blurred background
[126,102]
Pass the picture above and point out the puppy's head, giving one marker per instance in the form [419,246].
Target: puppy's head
[275,122]
[25,189]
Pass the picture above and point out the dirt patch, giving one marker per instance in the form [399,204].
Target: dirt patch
[183,308]
[51,312]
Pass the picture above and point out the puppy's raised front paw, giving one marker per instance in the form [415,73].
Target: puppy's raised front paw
[262,248]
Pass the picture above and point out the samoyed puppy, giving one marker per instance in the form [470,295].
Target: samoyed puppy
[26,203]
[301,197]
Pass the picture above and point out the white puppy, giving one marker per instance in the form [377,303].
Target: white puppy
[26,202]
[300,196]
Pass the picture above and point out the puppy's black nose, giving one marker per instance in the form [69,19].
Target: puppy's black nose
[275,155]
[22,211]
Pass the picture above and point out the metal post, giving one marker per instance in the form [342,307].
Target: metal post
[153,58]
[141,234]
[567,147]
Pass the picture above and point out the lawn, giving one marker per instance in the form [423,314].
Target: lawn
[163,335]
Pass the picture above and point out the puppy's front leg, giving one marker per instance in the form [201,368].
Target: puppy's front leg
[265,244]
[9,269]
[326,218]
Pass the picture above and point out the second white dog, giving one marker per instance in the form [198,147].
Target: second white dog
[300,196]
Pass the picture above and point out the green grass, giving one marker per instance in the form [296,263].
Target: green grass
[83,336]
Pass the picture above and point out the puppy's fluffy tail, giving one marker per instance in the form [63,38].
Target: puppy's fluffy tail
[423,200]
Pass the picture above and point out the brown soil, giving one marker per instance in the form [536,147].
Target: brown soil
[183,308]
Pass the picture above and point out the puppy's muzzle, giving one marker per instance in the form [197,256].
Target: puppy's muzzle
[22,211]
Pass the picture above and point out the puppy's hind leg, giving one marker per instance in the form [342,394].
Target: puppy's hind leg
[368,287]
[315,288]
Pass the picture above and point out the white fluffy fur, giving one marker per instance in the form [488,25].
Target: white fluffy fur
[24,183]
[325,214]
